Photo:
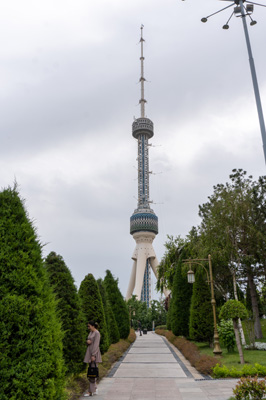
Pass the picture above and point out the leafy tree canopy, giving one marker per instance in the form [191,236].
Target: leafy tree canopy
[233,309]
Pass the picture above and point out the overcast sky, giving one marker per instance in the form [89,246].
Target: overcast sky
[69,74]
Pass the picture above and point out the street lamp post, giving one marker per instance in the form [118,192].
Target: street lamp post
[191,279]
[243,11]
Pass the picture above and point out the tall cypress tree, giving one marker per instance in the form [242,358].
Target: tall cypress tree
[201,314]
[181,299]
[169,315]
[69,309]
[118,304]
[92,307]
[112,327]
[31,357]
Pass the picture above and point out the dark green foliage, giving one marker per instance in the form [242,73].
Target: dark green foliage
[248,299]
[118,304]
[31,357]
[181,299]
[169,315]
[248,302]
[263,299]
[69,309]
[201,314]
[234,229]
[92,307]
[139,311]
[157,312]
[112,327]
[166,268]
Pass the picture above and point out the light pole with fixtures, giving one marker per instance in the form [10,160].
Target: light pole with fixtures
[191,279]
[243,11]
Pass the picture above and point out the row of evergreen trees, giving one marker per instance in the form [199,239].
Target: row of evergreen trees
[43,318]
[190,311]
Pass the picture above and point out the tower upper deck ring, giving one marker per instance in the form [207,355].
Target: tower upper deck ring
[143,221]
[142,126]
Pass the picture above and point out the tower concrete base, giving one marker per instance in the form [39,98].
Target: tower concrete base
[142,252]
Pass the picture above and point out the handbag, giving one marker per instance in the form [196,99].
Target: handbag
[93,371]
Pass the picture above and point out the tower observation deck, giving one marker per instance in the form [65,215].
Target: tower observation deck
[143,222]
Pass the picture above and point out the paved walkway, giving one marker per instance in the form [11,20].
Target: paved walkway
[154,369]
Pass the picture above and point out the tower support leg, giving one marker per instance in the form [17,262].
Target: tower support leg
[132,281]
[141,265]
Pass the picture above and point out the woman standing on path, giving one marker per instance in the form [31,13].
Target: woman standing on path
[93,354]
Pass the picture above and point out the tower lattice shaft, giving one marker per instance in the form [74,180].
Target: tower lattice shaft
[143,222]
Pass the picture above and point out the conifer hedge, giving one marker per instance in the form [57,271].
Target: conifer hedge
[112,327]
[181,299]
[169,315]
[118,304]
[69,309]
[31,358]
[92,307]
[201,314]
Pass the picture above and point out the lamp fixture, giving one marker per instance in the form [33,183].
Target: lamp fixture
[242,11]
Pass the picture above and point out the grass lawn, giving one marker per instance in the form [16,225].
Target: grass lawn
[232,359]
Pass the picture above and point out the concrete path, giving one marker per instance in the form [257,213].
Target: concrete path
[154,369]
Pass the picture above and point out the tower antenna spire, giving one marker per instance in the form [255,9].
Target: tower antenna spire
[142,79]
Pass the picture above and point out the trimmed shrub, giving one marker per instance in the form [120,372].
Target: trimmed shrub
[69,309]
[92,307]
[233,309]
[31,360]
[118,304]
[112,327]
[247,370]
[161,327]
[181,299]
[201,314]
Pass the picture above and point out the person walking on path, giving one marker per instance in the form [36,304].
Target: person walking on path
[93,354]
[140,328]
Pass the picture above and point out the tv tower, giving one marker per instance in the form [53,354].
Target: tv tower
[143,222]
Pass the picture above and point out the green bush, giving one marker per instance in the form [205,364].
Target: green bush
[92,306]
[250,388]
[69,309]
[169,315]
[247,370]
[161,327]
[31,356]
[227,334]
[118,304]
